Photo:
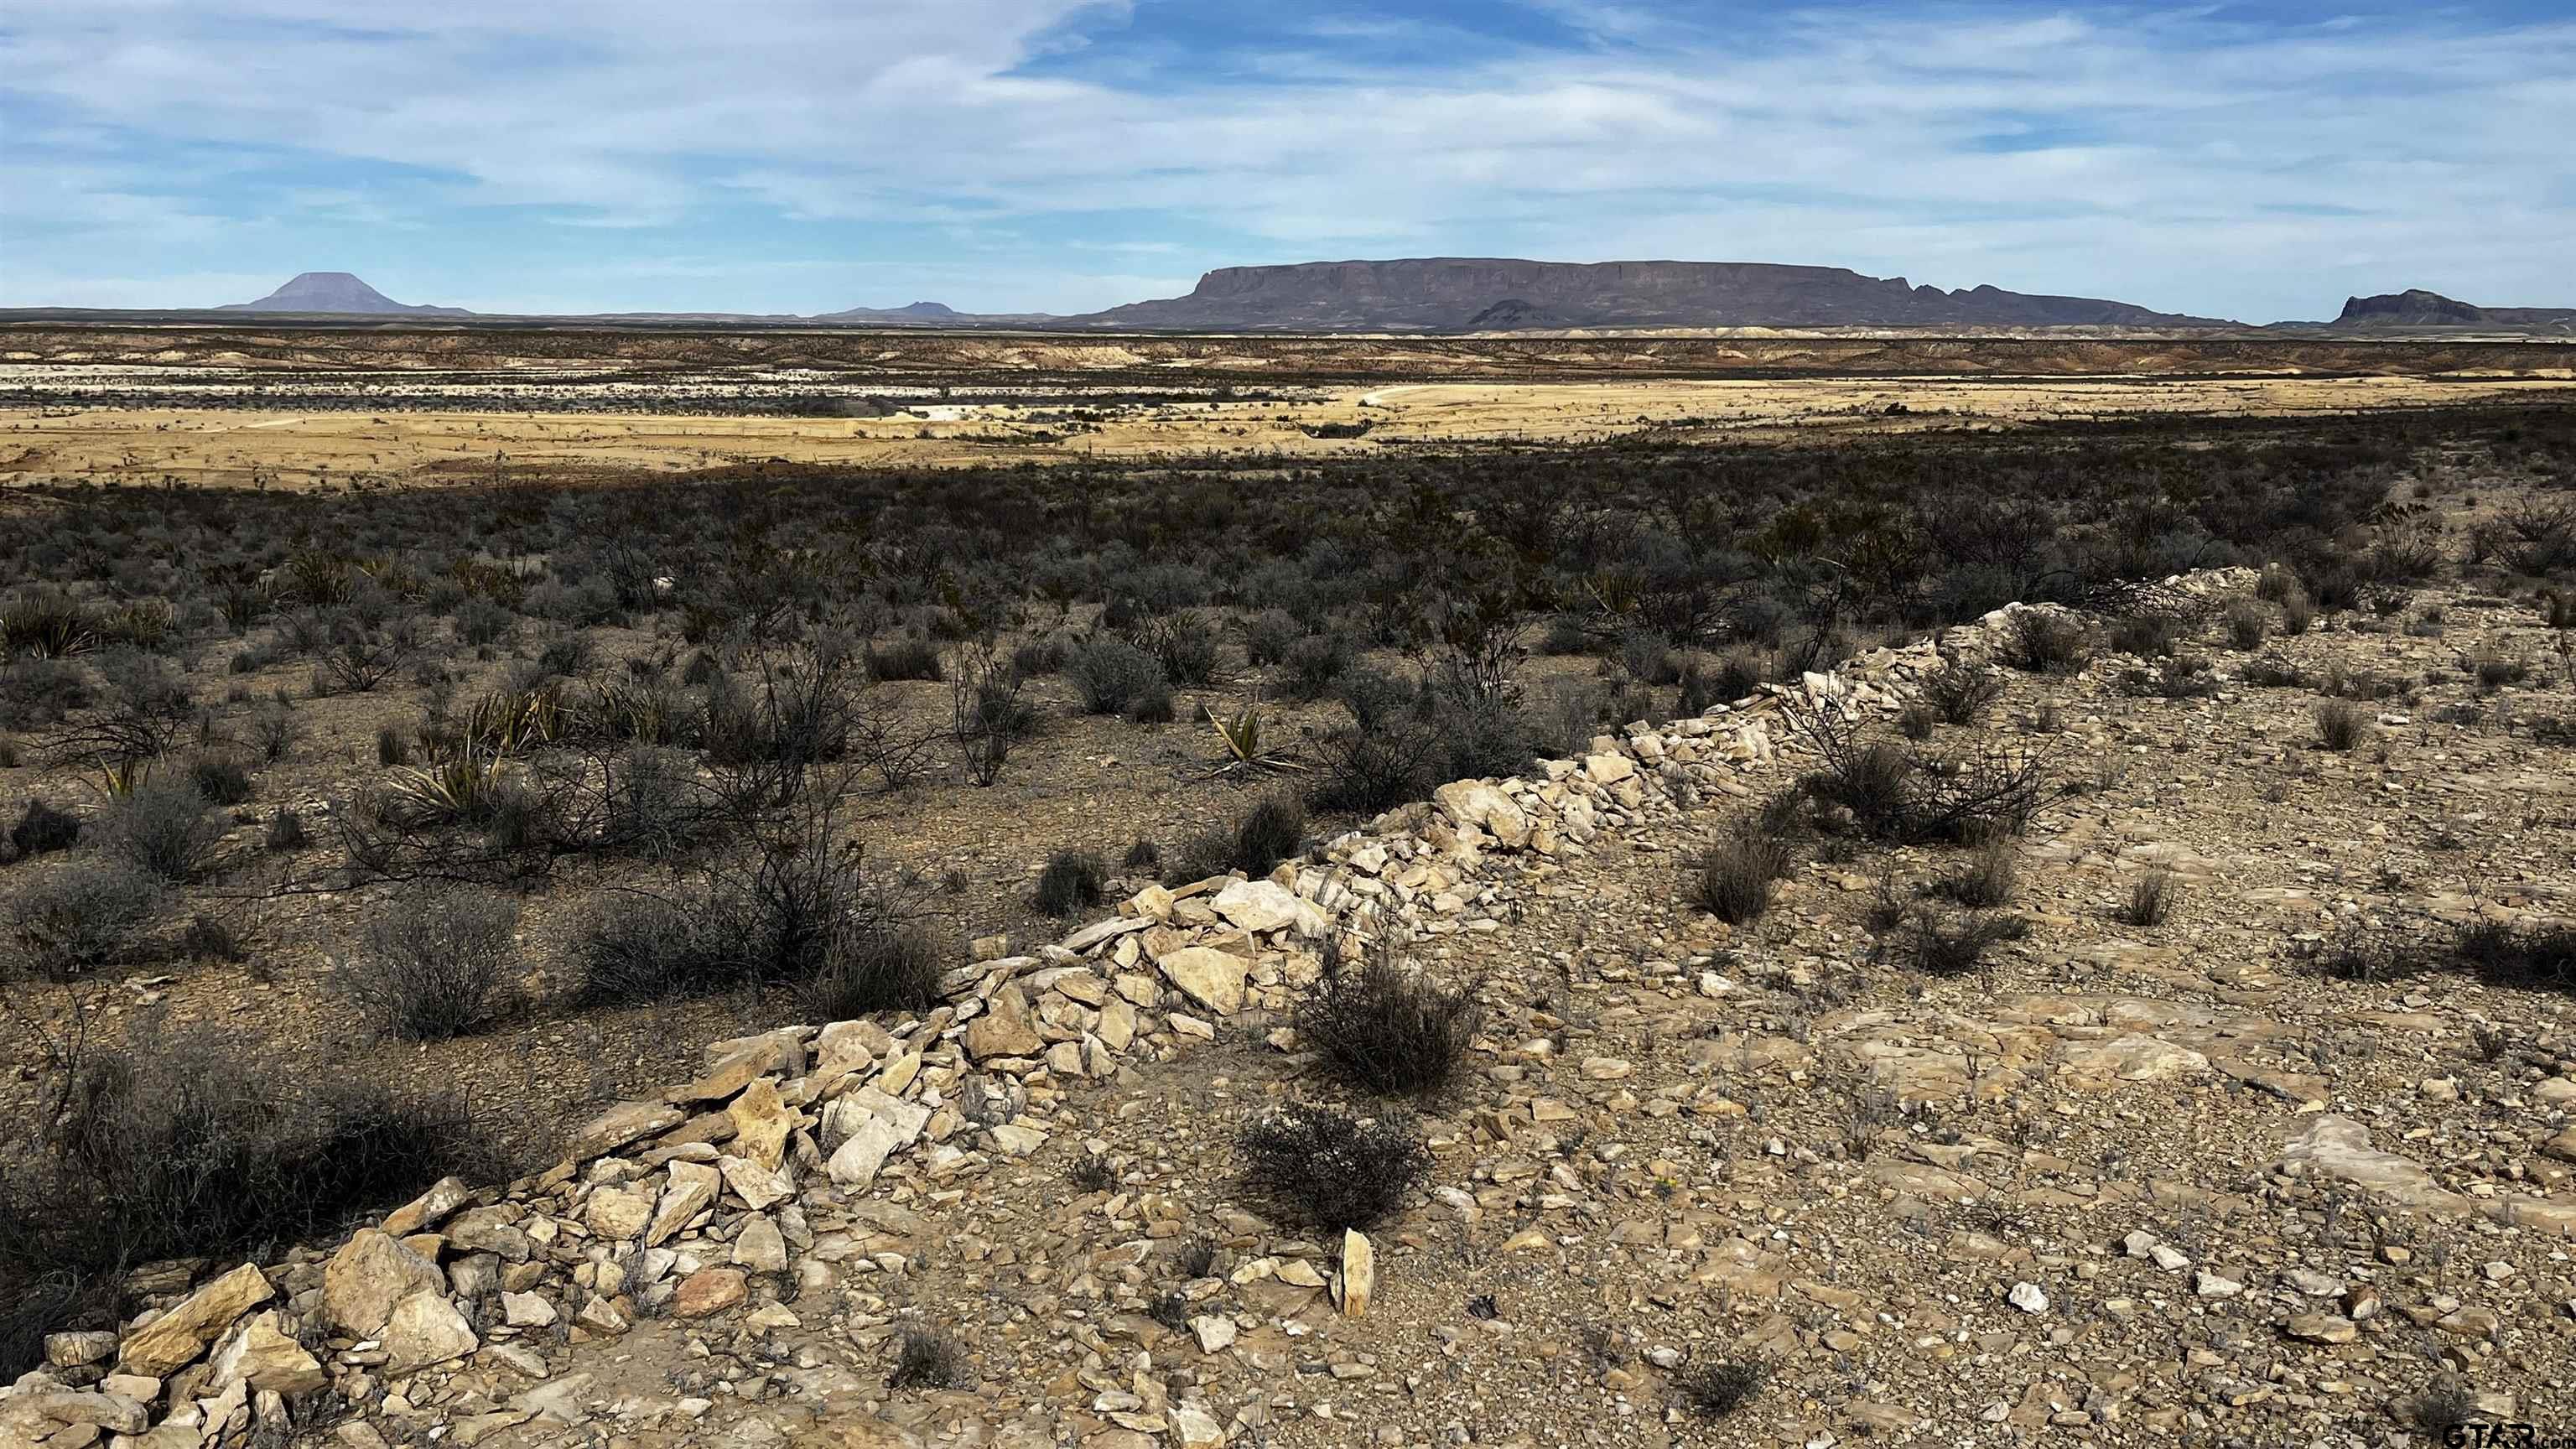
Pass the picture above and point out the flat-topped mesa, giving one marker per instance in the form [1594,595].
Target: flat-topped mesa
[1433,294]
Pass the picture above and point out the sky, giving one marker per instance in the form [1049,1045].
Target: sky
[2257,160]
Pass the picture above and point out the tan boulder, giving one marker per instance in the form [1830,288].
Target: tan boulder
[616,1214]
[174,1339]
[1486,807]
[762,1123]
[425,1329]
[693,1186]
[1214,979]
[619,1125]
[1004,1030]
[260,1352]
[1359,1273]
[709,1290]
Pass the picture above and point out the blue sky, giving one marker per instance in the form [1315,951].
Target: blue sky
[2253,160]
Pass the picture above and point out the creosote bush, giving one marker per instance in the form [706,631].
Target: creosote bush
[2046,643]
[1387,1029]
[42,828]
[927,1359]
[80,913]
[1072,881]
[1269,833]
[1736,876]
[219,779]
[906,658]
[191,1149]
[796,910]
[1332,1171]
[2341,725]
[162,826]
[437,965]
[880,965]
[1990,876]
[1890,792]
[1110,675]
[2152,898]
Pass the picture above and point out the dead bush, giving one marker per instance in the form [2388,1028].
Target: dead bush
[1948,946]
[2152,898]
[1332,1171]
[2341,725]
[1961,693]
[189,1149]
[1385,1028]
[2040,642]
[927,1359]
[435,966]
[1890,792]
[1737,875]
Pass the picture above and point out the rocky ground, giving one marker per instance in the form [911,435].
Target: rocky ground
[2116,1182]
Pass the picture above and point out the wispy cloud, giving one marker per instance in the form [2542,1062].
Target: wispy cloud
[2190,159]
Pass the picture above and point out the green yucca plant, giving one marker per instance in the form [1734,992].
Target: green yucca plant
[635,711]
[49,627]
[144,623]
[510,720]
[319,577]
[123,777]
[394,574]
[459,789]
[501,585]
[1241,737]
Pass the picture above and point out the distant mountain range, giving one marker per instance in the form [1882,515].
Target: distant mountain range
[1468,295]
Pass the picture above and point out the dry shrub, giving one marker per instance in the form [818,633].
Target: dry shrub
[1332,1171]
[1386,1029]
[436,966]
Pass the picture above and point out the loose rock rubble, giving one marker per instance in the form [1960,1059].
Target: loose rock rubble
[2129,1184]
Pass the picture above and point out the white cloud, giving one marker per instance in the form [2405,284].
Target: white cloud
[2169,158]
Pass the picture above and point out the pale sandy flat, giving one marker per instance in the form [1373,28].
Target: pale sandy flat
[244,447]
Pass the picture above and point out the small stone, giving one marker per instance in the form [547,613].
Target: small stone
[1193,1428]
[2027,1297]
[2323,1328]
[1359,1273]
[429,1209]
[760,1248]
[1215,1331]
[2211,1285]
[1004,1030]
[709,1290]
[762,1123]
[616,1214]
[260,1353]
[526,1310]
[693,1186]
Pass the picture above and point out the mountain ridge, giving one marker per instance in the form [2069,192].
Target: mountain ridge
[1501,295]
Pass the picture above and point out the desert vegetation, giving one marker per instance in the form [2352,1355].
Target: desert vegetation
[487,762]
